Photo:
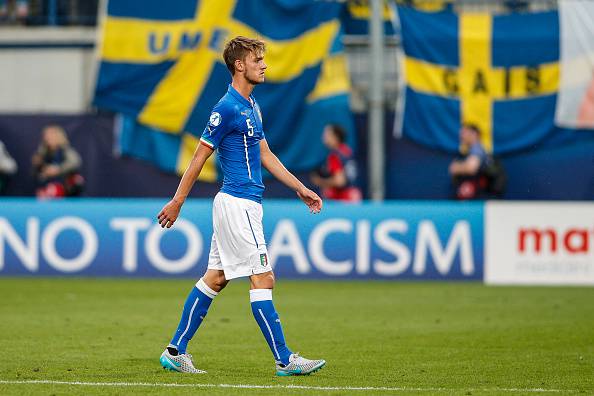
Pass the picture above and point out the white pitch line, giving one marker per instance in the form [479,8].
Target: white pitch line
[300,387]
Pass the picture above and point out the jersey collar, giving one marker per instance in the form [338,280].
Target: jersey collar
[240,98]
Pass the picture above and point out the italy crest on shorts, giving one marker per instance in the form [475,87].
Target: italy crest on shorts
[263,259]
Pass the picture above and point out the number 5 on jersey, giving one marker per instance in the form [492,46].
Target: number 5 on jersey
[250,127]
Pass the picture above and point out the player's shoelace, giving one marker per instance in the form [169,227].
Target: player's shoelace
[302,363]
[187,362]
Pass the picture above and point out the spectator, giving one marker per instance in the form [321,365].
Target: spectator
[56,165]
[8,167]
[49,12]
[475,174]
[336,179]
[14,10]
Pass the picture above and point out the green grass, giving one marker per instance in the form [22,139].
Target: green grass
[446,338]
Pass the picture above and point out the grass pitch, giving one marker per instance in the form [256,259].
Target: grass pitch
[408,338]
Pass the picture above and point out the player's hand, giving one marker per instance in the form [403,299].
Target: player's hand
[169,213]
[311,199]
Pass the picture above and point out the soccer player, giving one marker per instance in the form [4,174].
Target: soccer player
[237,248]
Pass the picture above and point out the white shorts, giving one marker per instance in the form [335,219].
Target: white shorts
[238,247]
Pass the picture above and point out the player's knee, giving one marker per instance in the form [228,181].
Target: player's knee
[271,280]
[263,281]
[215,280]
[220,283]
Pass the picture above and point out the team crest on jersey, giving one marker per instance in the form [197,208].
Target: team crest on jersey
[215,119]
[263,259]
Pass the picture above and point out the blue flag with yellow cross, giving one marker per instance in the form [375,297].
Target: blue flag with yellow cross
[161,67]
[356,14]
[499,72]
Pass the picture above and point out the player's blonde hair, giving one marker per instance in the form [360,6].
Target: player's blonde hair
[239,47]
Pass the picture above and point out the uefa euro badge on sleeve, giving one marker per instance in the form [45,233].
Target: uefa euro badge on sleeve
[215,119]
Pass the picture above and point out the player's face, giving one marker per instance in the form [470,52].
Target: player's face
[254,68]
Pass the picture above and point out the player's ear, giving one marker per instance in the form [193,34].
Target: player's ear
[239,66]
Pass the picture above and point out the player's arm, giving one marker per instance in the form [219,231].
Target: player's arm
[170,211]
[469,167]
[278,170]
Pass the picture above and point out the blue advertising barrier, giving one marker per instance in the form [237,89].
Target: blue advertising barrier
[120,237]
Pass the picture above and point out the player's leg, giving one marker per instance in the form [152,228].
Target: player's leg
[287,362]
[261,286]
[195,309]
[174,357]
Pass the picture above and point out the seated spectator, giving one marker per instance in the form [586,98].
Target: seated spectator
[14,10]
[336,179]
[8,167]
[56,165]
[476,174]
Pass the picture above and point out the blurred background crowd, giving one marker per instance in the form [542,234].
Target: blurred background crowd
[89,103]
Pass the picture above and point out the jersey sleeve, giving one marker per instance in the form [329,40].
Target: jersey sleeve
[220,123]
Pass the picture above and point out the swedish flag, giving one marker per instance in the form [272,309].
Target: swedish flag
[161,66]
[500,72]
[356,14]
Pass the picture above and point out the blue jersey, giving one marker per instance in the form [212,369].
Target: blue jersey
[235,130]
